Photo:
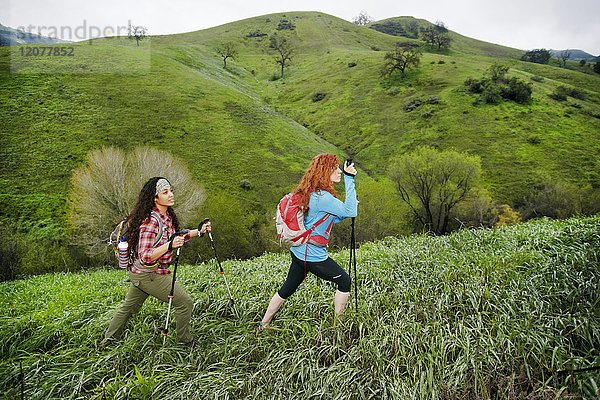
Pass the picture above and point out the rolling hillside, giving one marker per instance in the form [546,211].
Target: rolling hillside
[172,92]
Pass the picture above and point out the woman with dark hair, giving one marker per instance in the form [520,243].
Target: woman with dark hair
[319,200]
[152,216]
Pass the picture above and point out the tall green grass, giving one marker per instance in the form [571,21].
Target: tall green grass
[475,314]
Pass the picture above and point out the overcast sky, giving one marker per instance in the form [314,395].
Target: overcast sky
[522,24]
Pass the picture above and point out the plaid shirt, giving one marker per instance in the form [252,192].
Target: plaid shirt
[148,231]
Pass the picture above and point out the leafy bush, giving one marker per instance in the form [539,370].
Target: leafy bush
[559,94]
[537,78]
[433,100]
[256,33]
[534,139]
[351,64]
[246,184]
[539,56]
[285,24]
[391,28]
[412,105]
[493,92]
[318,96]
[394,90]
[517,90]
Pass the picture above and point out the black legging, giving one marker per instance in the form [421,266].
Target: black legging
[328,270]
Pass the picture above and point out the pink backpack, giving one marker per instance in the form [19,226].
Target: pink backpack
[289,221]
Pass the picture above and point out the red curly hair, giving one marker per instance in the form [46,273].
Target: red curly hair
[317,177]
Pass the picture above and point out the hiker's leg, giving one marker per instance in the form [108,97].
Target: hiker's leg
[159,286]
[274,306]
[132,304]
[331,271]
[293,280]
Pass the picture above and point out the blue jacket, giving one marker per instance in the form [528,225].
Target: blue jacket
[321,203]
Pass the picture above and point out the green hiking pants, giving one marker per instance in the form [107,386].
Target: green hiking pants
[151,284]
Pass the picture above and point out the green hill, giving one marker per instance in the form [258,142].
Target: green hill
[475,314]
[228,125]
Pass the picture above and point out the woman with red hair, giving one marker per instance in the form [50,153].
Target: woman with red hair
[319,200]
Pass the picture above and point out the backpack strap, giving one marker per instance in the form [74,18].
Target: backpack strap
[160,228]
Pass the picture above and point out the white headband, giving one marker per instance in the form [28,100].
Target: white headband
[161,185]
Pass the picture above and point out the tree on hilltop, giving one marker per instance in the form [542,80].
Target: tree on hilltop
[138,33]
[362,19]
[563,56]
[405,55]
[597,67]
[227,50]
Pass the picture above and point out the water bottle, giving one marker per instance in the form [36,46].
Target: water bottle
[123,248]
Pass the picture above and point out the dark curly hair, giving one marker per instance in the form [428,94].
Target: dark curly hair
[141,212]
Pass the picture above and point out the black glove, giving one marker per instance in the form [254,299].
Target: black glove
[201,225]
[348,162]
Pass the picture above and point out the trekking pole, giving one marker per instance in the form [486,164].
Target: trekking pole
[223,274]
[165,331]
[353,253]
[353,261]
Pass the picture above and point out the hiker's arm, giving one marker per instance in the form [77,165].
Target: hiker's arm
[341,209]
[205,228]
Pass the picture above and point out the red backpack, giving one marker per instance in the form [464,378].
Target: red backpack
[289,221]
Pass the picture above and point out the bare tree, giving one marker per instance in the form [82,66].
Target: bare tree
[138,33]
[404,55]
[362,19]
[564,56]
[106,187]
[284,49]
[227,50]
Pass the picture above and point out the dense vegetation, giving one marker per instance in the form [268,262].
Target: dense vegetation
[504,313]
[246,134]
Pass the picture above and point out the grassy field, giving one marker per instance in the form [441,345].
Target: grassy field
[475,314]
[228,125]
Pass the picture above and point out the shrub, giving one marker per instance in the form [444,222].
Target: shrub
[256,33]
[441,62]
[517,90]
[537,78]
[491,93]
[318,96]
[246,184]
[474,85]
[412,105]
[351,64]
[394,90]
[559,93]
[285,24]
[534,139]
[274,77]
[433,100]
[427,114]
